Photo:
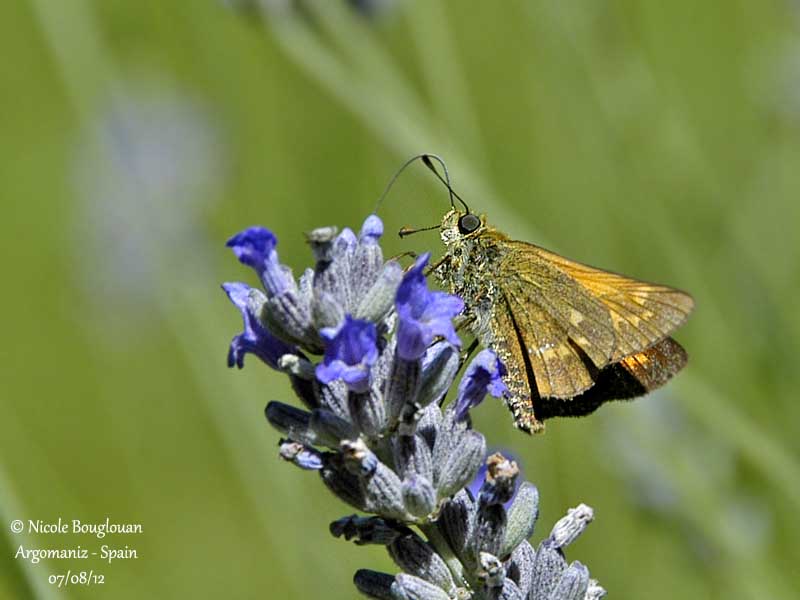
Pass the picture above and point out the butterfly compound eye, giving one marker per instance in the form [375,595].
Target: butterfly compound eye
[468,223]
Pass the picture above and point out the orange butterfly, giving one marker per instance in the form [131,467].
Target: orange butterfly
[570,336]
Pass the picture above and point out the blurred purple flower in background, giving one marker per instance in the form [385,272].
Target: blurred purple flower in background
[369,9]
[146,169]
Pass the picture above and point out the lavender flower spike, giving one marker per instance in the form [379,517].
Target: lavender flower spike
[424,315]
[349,354]
[372,353]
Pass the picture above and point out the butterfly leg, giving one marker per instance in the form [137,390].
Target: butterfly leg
[464,322]
[463,325]
[411,254]
[432,268]
[465,354]
[408,253]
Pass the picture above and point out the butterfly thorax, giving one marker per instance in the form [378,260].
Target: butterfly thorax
[469,267]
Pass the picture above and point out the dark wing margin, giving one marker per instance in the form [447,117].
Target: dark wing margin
[629,378]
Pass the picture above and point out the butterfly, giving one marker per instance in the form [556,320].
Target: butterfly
[570,336]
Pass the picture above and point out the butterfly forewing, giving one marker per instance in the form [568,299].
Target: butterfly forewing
[609,316]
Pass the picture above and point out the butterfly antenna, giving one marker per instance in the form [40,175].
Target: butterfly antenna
[426,158]
[394,178]
[405,231]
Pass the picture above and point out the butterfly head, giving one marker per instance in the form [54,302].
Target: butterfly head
[458,225]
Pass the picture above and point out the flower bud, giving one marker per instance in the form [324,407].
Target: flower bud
[522,517]
[402,386]
[366,530]
[573,584]
[594,591]
[490,528]
[374,584]
[520,566]
[412,456]
[342,482]
[330,430]
[321,242]
[501,476]
[568,528]
[419,496]
[461,464]
[367,411]
[377,301]
[548,566]
[416,557]
[290,421]
[456,520]
[304,457]
[326,311]
[408,587]
[440,365]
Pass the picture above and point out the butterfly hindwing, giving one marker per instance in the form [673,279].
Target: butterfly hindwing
[629,378]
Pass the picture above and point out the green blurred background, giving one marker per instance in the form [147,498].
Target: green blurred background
[658,139]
